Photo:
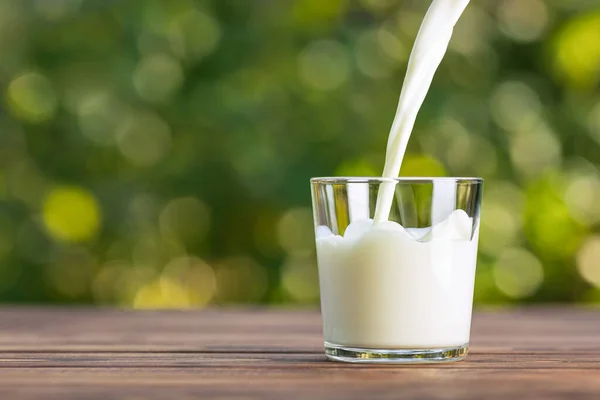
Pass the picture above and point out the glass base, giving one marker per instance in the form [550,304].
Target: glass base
[395,356]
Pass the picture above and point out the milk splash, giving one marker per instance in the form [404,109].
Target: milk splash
[430,47]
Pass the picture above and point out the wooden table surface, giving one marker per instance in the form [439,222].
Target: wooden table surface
[540,353]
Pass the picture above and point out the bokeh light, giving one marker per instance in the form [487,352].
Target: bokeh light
[576,52]
[295,231]
[300,278]
[523,20]
[518,273]
[188,32]
[186,282]
[461,150]
[549,226]
[515,106]
[144,139]
[131,280]
[157,78]
[471,34]
[71,214]
[535,151]
[582,192]
[31,98]
[99,115]
[378,52]
[588,260]
[161,293]
[201,34]
[503,212]
[324,65]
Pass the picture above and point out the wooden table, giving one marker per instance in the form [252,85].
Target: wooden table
[542,353]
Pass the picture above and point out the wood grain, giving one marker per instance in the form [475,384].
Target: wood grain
[539,353]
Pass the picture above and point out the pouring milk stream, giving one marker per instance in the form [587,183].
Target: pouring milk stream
[427,54]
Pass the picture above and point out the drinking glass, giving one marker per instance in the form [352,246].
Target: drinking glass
[398,290]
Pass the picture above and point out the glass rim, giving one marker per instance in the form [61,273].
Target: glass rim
[406,180]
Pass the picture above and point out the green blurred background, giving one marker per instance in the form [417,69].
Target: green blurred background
[157,153]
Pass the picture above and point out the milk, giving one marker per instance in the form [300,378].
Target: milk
[387,287]
[427,54]
[383,286]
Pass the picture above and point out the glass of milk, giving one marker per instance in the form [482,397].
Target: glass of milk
[398,290]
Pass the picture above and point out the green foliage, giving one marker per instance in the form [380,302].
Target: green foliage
[157,153]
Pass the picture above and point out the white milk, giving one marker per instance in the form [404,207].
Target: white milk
[427,54]
[386,287]
[383,288]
